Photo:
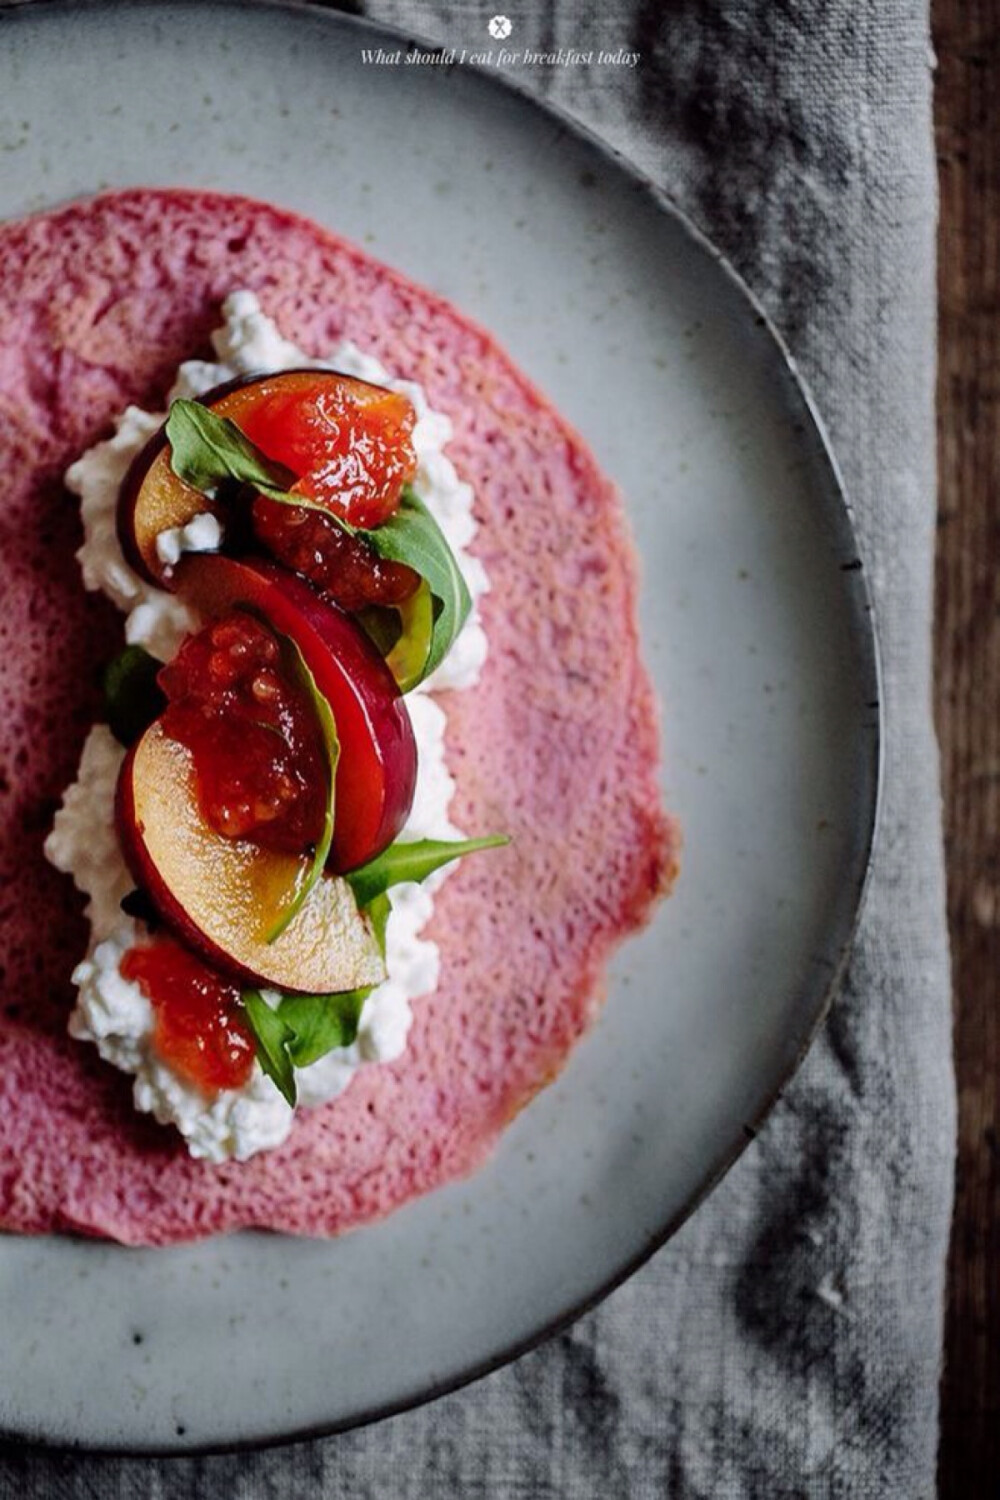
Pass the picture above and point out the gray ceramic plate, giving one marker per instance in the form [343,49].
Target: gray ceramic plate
[756,627]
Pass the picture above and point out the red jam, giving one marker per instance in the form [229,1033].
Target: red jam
[198,1019]
[259,762]
[349,442]
[341,566]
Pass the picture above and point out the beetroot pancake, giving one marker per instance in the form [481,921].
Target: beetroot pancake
[556,745]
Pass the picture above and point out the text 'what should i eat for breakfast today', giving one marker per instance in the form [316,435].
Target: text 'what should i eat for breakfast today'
[497,57]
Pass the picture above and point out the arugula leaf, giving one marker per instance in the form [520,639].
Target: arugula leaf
[206,449]
[298,669]
[300,1031]
[412,862]
[382,625]
[402,633]
[132,696]
[272,1036]
[407,661]
[377,911]
[412,536]
[319,1023]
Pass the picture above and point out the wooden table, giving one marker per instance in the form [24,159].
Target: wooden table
[967,39]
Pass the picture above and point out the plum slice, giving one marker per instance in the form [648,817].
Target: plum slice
[376,772]
[346,447]
[216,893]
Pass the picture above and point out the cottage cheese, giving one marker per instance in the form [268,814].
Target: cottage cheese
[112,1012]
[203,533]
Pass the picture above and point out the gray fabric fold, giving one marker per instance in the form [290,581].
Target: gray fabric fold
[787,1341]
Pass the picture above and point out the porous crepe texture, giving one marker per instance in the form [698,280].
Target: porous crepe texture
[557,744]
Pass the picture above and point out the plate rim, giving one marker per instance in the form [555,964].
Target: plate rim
[838,510]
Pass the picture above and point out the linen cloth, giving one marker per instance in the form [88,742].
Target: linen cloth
[787,1341]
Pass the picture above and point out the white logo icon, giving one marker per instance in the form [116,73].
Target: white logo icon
[500,28]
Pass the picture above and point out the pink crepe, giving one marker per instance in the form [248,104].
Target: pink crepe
[557,744]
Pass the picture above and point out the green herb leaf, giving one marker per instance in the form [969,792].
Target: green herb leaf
[412,536]
[273,1037]
[407,661]
[297,669]
[382,625]
[300,1031]
[377,911]
[412,862]
[403,634]
[319,1023]
[132,696]
[206,449]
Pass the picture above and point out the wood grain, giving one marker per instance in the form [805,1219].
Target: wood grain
[967,40]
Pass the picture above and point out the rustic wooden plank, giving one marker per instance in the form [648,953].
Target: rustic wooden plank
[967,39]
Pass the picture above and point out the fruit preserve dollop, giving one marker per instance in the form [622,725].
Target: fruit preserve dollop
[260,766]
[198,1025]
[341,566]
[349,443]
